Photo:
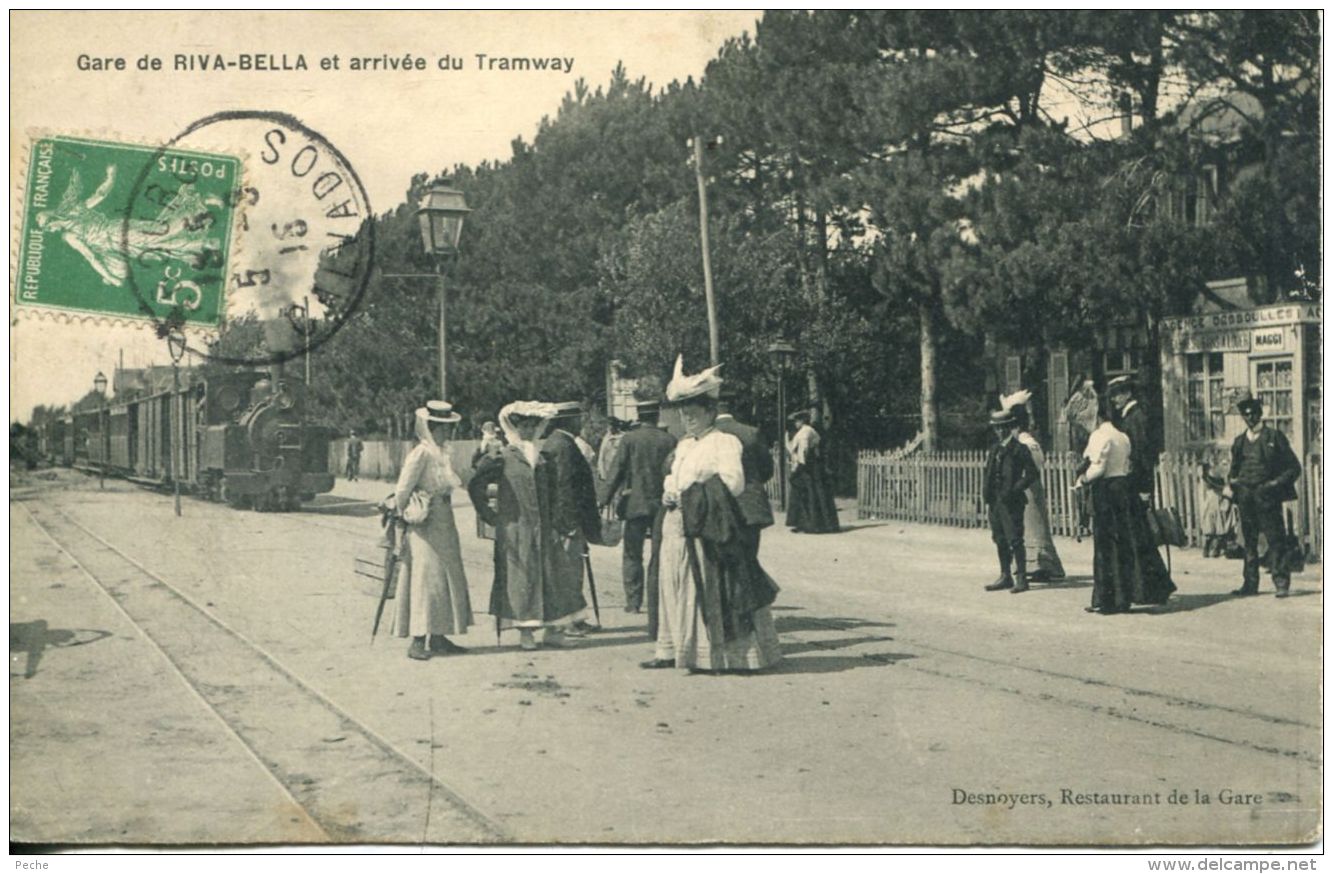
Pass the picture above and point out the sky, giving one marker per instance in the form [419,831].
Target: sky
[389,123]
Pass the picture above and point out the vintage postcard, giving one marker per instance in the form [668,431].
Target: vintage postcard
[693,428]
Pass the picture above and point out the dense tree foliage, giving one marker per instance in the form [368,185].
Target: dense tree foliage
[891,190]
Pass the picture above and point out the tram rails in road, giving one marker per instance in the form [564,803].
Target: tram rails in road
[243,437]
[360,789]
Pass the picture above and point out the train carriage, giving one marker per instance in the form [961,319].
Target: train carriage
[239,436]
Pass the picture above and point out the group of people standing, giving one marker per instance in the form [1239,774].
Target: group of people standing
[1118,473]
[699,500]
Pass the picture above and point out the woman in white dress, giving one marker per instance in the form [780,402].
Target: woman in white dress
[713,598]
[1036,525]
[432,593]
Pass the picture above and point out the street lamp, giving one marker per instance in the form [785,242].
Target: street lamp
[99,383]
[441,215]
[783,352]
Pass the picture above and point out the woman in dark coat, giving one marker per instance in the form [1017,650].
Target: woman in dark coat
[1126,567]
[810,509]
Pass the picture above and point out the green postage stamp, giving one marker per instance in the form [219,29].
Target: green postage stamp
[126,231]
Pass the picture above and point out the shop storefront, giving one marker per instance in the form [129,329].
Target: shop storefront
[1211,360]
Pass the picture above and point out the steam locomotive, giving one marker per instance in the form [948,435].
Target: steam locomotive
[240,437]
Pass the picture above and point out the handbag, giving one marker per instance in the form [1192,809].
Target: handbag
[1166,527]
[417,509]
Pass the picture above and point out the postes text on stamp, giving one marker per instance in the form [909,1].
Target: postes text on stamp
[88,242]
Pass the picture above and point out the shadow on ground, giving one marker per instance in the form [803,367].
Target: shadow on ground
[330,505]
[34,637]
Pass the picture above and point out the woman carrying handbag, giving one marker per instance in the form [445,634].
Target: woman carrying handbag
[433,602]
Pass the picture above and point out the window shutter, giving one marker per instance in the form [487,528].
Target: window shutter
[1013,373]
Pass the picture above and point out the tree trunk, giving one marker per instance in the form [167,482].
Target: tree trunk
[929,409]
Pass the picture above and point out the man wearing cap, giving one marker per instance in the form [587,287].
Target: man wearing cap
[638,469]
[1008,473]
[758,463]
[1264,471]
[574,513]
[1133,420]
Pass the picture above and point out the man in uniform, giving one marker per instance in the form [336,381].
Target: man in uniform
[1133,420]
[1264,471]
[758,463]
[574,514]
[637,474]
[1008,473]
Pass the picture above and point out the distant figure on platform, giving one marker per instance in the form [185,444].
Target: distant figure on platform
[1126,568]
[1264,471]
[1008,474]
[531,589]
[810,509]
[715,598]
[1036,525]
[432,595]
[1080,413]
[758,464]
[1217,514]
[354,448]
[574,513]
[605,466]
[635,487]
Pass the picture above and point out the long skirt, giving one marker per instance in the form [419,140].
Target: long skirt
[1037,535]
[1126,567]
[810,506]
[432,587]
[682,632]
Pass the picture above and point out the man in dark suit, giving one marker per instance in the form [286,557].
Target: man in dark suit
[1132,418]
[1008,473]
[1264,471]
[637,474]
[574,511]
[758,464]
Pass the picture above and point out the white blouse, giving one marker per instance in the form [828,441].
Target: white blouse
[1108,450]
[428,469]
[805,439]
[698,459]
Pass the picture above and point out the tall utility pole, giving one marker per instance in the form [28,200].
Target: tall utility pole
[444,369]
[703,235]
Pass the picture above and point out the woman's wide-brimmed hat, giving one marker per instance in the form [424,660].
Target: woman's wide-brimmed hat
[1002,417]
[442,412]
[704,385]
[1125,382]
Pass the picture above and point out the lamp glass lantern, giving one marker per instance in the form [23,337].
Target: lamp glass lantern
[99,383]
[441,215]
[782,352]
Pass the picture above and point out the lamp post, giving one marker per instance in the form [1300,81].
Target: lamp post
[441,215]
[99,386]
[783,352]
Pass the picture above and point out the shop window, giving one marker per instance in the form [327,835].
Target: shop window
[1273,386]
[1314,420]
[1205,406]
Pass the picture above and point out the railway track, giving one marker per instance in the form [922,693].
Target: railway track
[355,786]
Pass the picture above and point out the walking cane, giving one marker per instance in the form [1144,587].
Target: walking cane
[592,586]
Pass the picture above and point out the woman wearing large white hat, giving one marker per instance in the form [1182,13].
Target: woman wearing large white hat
[713,597]
[432,597]
[533,587]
